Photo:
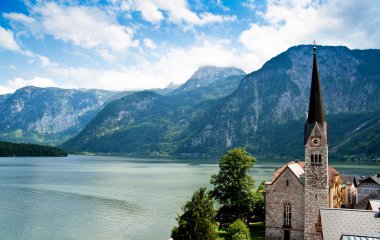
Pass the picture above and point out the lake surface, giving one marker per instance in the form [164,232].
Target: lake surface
[96,197]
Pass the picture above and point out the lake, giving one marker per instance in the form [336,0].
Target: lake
[97,197]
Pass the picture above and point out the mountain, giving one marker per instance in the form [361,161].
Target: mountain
[146,122]
[168,89]
[8,149]
[265,113]
[364,137]
[205,76]
[277,95]
[48,115]
[4,97]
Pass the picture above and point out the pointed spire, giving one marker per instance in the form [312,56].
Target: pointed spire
[316,112]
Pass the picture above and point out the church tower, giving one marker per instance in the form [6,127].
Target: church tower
[316,156]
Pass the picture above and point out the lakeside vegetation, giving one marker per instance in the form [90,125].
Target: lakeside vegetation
[239,202]
[8,149]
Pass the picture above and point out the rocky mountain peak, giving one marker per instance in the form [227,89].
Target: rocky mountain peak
[210,73]
[206,75]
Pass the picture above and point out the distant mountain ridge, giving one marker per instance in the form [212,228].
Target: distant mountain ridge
[149,122]
[216,109]
[205,76]
[48,115]
[262,114]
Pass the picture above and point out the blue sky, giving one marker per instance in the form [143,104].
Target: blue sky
[142,44]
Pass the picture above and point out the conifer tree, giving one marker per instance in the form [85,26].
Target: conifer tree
[198,219]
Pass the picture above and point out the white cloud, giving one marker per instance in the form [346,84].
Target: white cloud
[149,43]
[7,40]
[284,23]
[19,17]
[37,58]
[16,83]
[4,90]
[291,22]
[177,11]
[249,4]
[175,65]
[87,27]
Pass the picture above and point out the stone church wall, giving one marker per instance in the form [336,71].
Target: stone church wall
[277,194]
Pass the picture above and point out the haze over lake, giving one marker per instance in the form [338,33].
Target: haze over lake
[96,197]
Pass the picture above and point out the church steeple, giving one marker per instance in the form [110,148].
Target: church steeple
[316,157]
[316,112]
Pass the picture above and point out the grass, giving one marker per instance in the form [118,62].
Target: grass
[257,230]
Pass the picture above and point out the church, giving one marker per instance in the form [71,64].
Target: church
[299,189]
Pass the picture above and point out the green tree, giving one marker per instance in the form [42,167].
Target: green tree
[257,206]
[237,231]
[198,219]
[232,186]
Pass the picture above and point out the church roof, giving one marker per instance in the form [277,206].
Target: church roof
[298,168]
[278,172]
[357,237]
[342,221]
[316,112]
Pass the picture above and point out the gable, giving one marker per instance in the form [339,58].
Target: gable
[286,174]
[315,131]
[369,180]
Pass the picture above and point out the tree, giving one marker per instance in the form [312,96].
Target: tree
[237,231]
[232,186]
[257,208]
[197,220]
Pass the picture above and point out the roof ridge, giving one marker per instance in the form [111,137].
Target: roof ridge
[349,209]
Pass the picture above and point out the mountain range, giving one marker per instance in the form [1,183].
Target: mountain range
[216,109]
[262,114]
[146,122]
[48,115]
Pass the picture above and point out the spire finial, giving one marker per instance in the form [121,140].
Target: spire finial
[315,48]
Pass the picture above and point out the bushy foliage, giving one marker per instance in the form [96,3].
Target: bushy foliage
[238,230]
[257,206]
[232,186]
[8,149]
[197,221]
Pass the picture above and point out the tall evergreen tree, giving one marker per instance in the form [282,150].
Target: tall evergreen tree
[232,186]
[198,219]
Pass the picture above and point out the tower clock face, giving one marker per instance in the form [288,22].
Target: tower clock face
[316,141]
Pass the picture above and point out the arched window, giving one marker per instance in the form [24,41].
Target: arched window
[320,158]
[287,214]
[312,158]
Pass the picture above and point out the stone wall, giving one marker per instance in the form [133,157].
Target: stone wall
[277,194]
[316,181]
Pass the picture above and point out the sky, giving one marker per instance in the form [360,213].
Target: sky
[145,44]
